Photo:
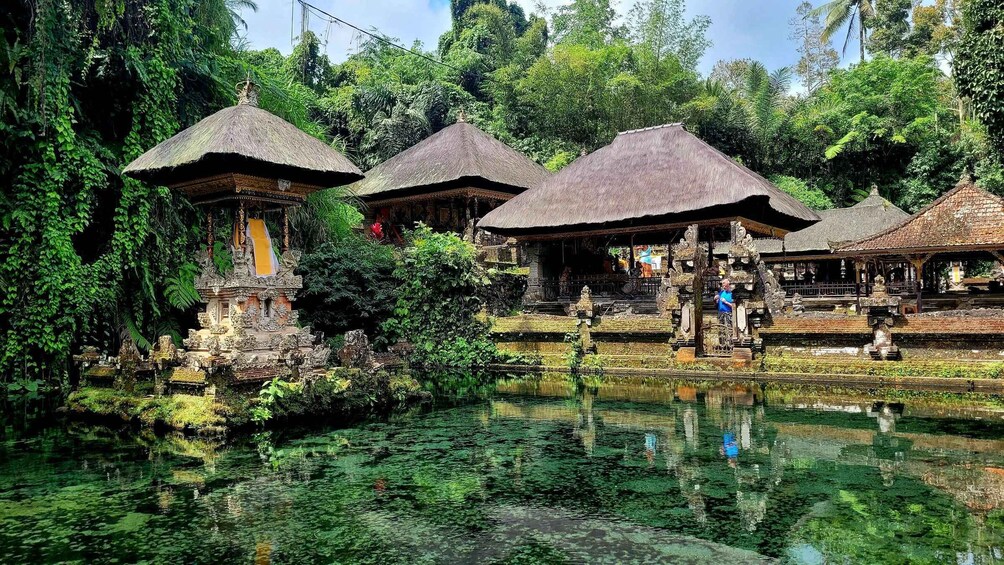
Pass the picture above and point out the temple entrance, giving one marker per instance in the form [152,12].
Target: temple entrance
[718,335]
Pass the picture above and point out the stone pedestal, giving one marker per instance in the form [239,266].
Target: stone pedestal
[882,311]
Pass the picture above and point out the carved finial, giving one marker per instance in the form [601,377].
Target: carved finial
[247,92]
[461,116]
[874,191]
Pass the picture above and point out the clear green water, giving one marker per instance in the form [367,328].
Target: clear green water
[614,477]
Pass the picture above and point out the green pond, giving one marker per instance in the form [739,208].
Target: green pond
[537,473]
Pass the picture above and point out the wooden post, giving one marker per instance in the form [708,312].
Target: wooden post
[285,229]
[918,264]
[211,239]
[242,226]
[858,265]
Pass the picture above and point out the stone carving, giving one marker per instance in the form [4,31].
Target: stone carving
[583,309]
[686,278]
[882,310]
[356,353]
[796,304]
[668,298]
[756,290]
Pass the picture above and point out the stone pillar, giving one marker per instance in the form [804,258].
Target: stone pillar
[535,278]
[753,284]
[687,278]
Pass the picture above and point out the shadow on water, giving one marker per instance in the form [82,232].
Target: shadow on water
[539,472]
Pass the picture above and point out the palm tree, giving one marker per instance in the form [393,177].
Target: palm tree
[846,12]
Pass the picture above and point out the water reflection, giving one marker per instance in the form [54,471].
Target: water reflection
[543,473]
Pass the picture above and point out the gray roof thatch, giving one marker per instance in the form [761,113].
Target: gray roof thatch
[842,225]
[458,155]
[244,139]
[656,175]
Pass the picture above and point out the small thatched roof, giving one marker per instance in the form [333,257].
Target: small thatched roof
[652,176]
[458,155]
[244,139]
[963,219]
[840,226]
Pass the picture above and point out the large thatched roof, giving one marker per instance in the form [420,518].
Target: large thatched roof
[460,155]
[963,219]
[244,139]
[840,226]
[652,176]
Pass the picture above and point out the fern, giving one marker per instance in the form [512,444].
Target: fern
[180,291]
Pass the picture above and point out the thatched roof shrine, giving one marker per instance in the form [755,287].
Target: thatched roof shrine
[962,220]
[838,226]
[460,156]
[267,151]
[655,178]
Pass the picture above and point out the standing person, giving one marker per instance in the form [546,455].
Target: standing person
[726,305]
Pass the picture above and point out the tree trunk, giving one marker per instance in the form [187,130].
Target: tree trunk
[861,33]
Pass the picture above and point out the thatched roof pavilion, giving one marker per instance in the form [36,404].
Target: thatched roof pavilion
[965,222]
[652,179]
[964,219]
[274,157]
[458,158]
[838,226]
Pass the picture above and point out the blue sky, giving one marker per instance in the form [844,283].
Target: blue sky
[756,29]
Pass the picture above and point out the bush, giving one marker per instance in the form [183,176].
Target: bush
[347,286]
[801,191]
[438,302]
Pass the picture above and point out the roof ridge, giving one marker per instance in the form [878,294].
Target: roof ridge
[963,184]
[650,128]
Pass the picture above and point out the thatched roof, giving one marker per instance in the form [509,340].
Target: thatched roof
[840,226]
[652,176]
[458,155]
[963,219]
[244,139]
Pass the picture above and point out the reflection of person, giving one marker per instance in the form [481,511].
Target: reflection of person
[730,448]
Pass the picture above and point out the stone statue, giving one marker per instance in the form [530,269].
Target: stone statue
[356,353]
[878,288]
[583,309]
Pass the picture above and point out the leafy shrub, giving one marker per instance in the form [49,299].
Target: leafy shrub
[801,191]
[438,302]
[347,286]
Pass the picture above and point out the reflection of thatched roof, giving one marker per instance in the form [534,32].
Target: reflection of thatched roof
[458,156]
[244,139]
[652,176]
[963,219]
[838,226]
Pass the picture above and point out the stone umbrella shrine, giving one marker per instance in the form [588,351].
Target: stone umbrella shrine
[237,165]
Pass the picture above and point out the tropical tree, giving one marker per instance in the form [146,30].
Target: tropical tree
[852,14]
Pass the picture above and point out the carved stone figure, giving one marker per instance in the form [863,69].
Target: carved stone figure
[356,353]
[583,309]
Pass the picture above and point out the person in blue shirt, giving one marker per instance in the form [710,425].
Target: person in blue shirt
[726,304]
[730,448]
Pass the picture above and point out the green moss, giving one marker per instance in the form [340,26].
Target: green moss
[179,411]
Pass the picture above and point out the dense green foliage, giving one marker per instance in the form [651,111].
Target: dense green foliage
[348,285]
[980,65]
[89,256]
[438,303]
